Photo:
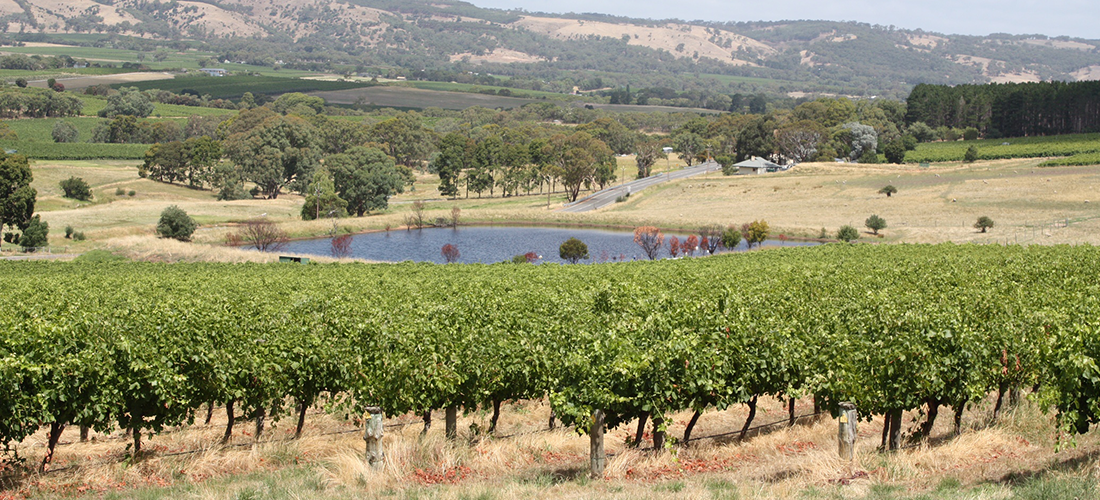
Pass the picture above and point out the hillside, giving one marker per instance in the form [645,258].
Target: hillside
[540,49]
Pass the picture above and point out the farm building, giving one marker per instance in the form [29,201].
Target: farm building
[214,71]
[756,165]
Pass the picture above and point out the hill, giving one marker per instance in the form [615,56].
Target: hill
[444,39]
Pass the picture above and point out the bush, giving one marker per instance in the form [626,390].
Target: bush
[983,223]
[175,223]
[847,234]
[21,83]
[35,235]
[573,250]
[131,193]
[64,131]
[79,236]
[971,155]
[120,192]
[731,237]
[68,232]
[895,152]
[875,223]
[869,156]
[970,134]
[76,188]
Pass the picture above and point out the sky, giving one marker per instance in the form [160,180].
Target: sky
[1075,18]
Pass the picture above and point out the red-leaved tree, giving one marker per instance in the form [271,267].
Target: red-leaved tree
[674,246]
[531,257]
[450,253]
[341,246]
[650,239]
[690,245]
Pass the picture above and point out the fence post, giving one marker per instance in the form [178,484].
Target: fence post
[847,431]
[597,454]
[452,422]
[373,437]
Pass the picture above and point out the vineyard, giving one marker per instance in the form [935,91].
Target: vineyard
[891,328]
[1080,160]
[77,150]
[233,87]
[999,149]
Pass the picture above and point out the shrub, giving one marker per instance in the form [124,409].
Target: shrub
[120,192]
[21,83]
[68,232]
[76,188]
[731,237]
[262,234]
[983,223]
[175,223]
[79,236]
[131,193]
[971,155]
[64,131]
[573,250]
[35,235]
[895,152]
[875,223]
[847,234]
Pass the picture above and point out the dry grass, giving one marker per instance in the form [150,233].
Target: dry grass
[781,462]
[1029,204]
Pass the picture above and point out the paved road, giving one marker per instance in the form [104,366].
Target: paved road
[608,196]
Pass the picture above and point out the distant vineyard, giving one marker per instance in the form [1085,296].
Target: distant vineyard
[998,149]
[1074,161]
[233,87]
[891,328]
[77,150]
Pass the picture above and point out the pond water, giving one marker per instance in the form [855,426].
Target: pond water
[488,244]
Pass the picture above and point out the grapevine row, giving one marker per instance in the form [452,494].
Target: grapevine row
[891,328]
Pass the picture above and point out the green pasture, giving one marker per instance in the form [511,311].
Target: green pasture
[233,87]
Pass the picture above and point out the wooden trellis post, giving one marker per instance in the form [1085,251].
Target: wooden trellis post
[595,437]
[847,431]
[373,437]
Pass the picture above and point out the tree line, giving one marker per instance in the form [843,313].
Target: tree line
[1009,109]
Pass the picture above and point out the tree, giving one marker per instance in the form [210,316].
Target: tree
[710,237]
[341,245]
[847,234]
[648,152]
[176,224]
[577,156]
[888,190]
[690,245]
[756,138]
[731,237]
[322,200]
[263,235]
[756,232]
[276,152]
[895,152]
[128,101]
[800,140]
[688,145]
[76,188]
[17,197]
[971,155]
[405,139]
[366,178]
[673,246]
[650,239]
[573,250]
[455,156]
[64,131]
[450,253]
[21,83]
[863,138]
[984,223]
[875,223]
[35,235]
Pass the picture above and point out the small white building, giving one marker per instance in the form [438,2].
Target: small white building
[757,165]
[214,71]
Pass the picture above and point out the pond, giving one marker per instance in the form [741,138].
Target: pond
[488,244]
